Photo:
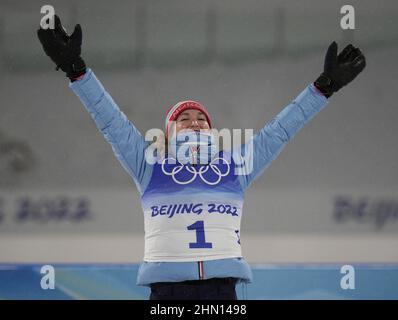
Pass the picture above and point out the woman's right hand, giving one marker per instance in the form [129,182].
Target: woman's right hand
[64,50]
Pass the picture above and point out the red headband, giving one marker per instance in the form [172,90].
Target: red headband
[175,111]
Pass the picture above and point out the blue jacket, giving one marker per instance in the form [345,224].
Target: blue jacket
[128,145]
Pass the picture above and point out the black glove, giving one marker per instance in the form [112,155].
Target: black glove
[63,49]
[339,70]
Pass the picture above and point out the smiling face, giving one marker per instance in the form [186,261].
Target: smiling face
[192,119]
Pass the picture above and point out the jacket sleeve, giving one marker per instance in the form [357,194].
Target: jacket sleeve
[257,154]
[127,142]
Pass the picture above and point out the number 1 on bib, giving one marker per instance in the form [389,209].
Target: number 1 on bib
[200,236]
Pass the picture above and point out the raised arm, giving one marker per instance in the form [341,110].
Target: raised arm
[126,141]
[266,145]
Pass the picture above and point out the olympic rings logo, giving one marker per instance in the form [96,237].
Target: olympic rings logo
[195,171]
